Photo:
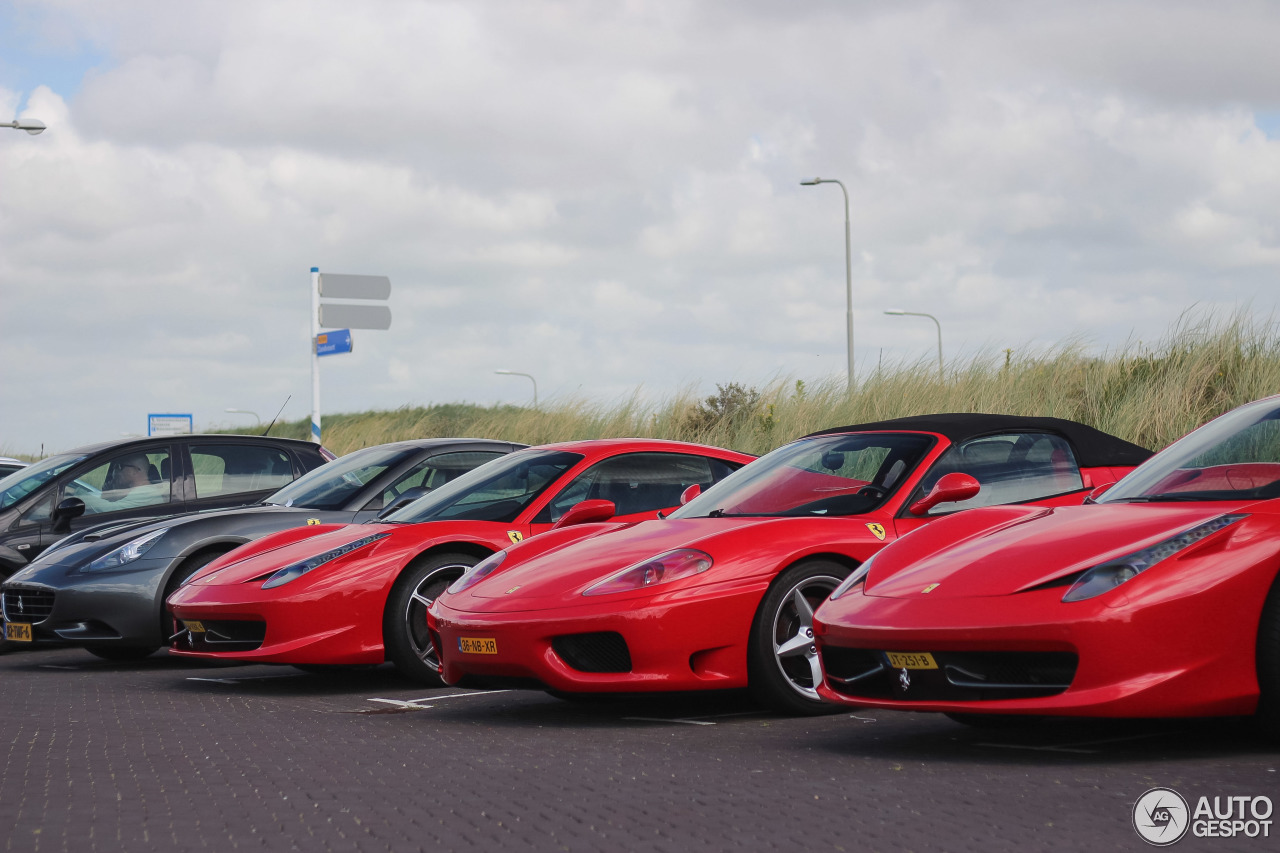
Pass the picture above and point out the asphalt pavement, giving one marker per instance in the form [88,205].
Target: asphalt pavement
[170,755]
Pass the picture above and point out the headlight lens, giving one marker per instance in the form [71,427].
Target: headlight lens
[297,570]
[1109,575]
[856,577]
[664,568]
[478,572]
[126,553]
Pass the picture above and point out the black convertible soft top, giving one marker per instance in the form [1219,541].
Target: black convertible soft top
[1094,448]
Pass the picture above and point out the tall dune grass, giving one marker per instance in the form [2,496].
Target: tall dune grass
[1149,394]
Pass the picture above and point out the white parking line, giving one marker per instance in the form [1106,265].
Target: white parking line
[668,720]
[417,703]
[249,678]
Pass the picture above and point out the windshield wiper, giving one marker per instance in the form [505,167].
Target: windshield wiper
[1175,498]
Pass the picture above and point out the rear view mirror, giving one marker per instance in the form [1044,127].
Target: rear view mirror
[949,489]
[690,493]
[586,512]
[69,508]
[833,460]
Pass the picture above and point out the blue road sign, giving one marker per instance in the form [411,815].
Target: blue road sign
[333,343]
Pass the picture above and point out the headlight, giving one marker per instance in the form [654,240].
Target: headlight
[664,568]
[1111,574]
[478,572]
[297,570]
[126,553]
[856,577]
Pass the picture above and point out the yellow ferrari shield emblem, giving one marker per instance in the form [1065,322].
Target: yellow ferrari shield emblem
[515,536]
[877,530]
[930,588]
[311,521]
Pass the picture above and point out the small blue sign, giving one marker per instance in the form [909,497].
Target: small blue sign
[333,343]
[170,424]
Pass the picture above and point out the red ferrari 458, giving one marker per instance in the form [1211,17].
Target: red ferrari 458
[721,594]
[332,594]
[1159,598]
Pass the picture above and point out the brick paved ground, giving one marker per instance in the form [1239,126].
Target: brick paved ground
[168,756]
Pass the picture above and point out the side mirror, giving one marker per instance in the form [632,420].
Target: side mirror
[1098,492]
[69,508]
[405,498]
[586,513]
[690,493]
[949,489]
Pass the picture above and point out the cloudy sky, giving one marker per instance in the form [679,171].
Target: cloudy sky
[606,195]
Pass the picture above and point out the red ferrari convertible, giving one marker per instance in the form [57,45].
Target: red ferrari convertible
[722,593]
[1158,599]
[331,594]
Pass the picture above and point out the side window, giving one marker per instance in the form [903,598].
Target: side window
[431,473]
[1010,468]
[635,482]
[228,469]
[132,479]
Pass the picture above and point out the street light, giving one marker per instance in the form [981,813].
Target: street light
[848,264]
[898,312]
[527,376]
[257,419]
[30,125]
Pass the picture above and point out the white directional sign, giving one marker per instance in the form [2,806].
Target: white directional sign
[335,286]
[335,316]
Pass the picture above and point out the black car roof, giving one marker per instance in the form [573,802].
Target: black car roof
[232,437]
[1093,447]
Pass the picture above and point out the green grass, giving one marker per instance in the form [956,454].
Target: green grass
[1149,394]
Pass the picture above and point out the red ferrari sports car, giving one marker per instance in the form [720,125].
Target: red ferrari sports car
[1158,598]
[357,594]
[721,594]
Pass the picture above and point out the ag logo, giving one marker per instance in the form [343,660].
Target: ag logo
[1160,816]
[877,530]
[311,521]
[515,536]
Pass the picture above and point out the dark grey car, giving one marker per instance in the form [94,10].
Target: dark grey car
[104,588]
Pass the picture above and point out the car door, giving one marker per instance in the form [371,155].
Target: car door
[638,484]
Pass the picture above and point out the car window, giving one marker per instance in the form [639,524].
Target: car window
[636,483]
[131,479]
[19,484]
[1010,468]
[432,473]
[234,468]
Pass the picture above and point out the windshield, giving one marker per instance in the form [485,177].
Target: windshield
[826,475]
[496,491]
[331,485]
[21,483]
[1234,457]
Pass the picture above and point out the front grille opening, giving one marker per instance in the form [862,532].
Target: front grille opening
[238,635]
[960,676]
[602,651]
[27,605]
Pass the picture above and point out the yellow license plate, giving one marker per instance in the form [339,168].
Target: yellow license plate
[193,626]
[18,632]
[911,660]
[478,645]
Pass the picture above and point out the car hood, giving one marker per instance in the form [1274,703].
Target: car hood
[558,577]
[1016,552]
[293,551]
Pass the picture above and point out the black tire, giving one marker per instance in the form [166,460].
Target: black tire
[193,564]
[1268,657]
[404,622]
[996,721]
[781,667]
[121,653]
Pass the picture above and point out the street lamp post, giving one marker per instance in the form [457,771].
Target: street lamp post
[256,419]
[30,125]
[848,265]
[527,376]
[898,312]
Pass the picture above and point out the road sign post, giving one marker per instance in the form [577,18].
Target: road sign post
[331,315]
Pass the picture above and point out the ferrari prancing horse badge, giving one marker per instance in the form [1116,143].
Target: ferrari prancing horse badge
[877,530]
